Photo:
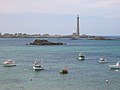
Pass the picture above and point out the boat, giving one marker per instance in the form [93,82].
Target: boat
[64,71]
[81,57]
[73,38]
[9,63]
[102,60]
[116,66]
[37,66]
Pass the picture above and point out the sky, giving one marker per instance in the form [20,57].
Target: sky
[97,17]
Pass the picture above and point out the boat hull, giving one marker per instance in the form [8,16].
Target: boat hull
[102,62]
[9,65]
[81,58]
[38,68]
[114,67]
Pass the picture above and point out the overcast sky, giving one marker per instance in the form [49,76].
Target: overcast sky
[97,17]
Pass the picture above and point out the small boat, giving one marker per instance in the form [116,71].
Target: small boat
[37,66]
[9,63]
[116,66]
[64,71]
[102,60]
[81,57]
[73,38]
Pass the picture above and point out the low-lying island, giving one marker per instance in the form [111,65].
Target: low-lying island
[45,42]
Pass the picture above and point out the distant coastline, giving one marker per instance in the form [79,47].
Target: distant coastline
[20,35]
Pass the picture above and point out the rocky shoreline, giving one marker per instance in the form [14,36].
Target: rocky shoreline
[44,42]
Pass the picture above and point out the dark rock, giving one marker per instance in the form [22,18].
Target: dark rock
[99,38]
[45,42]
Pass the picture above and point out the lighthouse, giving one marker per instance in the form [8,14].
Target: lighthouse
[77,25]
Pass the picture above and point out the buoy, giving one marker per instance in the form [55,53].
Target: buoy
[24,69]
[106,81]
[30,79]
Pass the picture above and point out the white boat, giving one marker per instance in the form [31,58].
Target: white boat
[81,57]
[102,60]
[9,63]
[37,66]
[116,66]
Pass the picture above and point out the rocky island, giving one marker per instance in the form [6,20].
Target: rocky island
[45,42]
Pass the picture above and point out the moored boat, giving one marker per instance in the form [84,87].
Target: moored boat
[9,63]
[116,66]
[64,71]
[81,56]
[102,60]
[37,66]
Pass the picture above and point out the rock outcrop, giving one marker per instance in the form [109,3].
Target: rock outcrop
[45,42]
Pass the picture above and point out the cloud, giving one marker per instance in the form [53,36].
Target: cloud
[84,7]
[102,8]
[102,4]
[41,6]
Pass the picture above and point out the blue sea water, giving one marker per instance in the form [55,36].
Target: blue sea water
[83,75]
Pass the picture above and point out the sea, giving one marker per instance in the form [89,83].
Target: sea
[82,75]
